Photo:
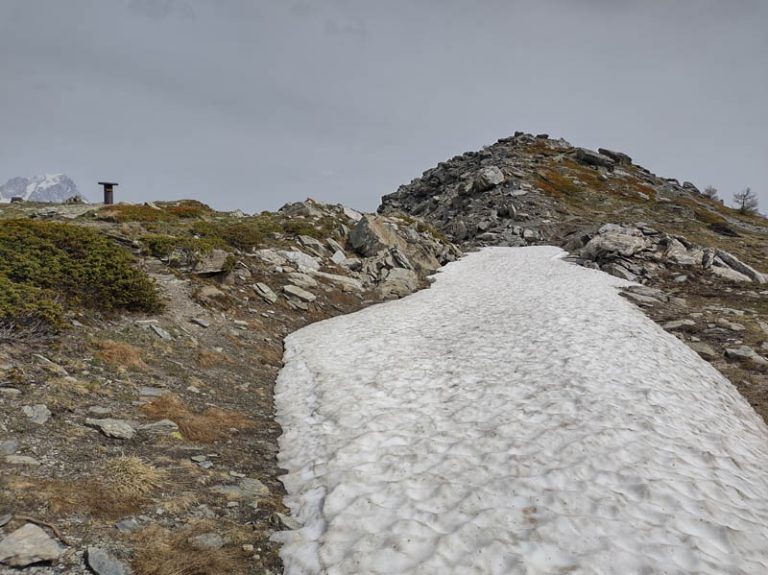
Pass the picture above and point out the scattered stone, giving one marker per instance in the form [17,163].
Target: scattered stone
[21,460]
[5,519]
[97,410]
[302,280]
[729,325]
[128,525]
[38,414]
[153,391]
[398,282]
[104,563]
[207,541]
[593,158]
[679,324]
[746,353]
[117,428]
[297,292]
[199,458]
[288,521]
[703,349]
[10,392]
[487,178]
[28,545]
[302,260]
[201,322]
[215,262]
[160,332]
[247,488]
[162,427]
[265,292]
[8,446]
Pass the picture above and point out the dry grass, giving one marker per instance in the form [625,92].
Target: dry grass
[208,358]
[120,354]
[130,477]
[205,427]
[162,552]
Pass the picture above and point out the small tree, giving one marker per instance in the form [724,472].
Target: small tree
[746,201]
[711,192]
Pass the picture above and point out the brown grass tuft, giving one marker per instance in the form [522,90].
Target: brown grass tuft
[205,427]
[130,477]
[208,358]
[120,354]
[162,552]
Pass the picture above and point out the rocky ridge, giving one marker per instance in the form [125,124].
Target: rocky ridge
[696,262]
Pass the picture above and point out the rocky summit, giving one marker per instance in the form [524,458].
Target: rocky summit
[700,266]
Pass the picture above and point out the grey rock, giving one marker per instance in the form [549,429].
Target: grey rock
[21,460]
[735,264]
[160,332]
[746,353]
[338,257]
[617,157]
[207,541]
[302,280]
[288,521]
[117,428]
[128,525]
[679,324]
[38,414]
[153,391]
[487,178]
[9,392]
[301,260]
[213,263]
[5,518]
[104,563]
[729,325]
[299,293]
[98,410]
[613,244]
[265,292]
[373,234]
[729,274]
[8,446]
[162,427]
[593,158]
[201,322]
[703,349]
[247,488]
[398,282]
[28,545]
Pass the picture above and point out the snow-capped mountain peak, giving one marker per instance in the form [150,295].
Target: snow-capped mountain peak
[43,188]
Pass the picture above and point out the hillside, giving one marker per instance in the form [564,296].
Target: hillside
[139,345]
[700,264]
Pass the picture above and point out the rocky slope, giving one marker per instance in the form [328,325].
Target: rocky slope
[146,441]
[699,265]
[47,188]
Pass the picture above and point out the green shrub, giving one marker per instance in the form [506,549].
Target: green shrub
[178,251]
[67,265]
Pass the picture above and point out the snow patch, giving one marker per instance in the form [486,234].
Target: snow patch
[517,417]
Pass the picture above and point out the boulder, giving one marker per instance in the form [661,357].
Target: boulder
[300,259]
[117,428]
[617,157]
[398,282]
[593,158]
[746,353]
[487,178]
[215,262]
[265,292]
[373,234]
[102,562]
[297,292]
[28,545]
[38,414]
[612,244]
[737,265]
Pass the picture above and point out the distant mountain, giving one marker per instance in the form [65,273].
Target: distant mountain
[54,188]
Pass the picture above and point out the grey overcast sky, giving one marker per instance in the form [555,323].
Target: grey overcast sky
[253,103]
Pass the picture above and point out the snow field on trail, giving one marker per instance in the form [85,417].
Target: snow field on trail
[517,417]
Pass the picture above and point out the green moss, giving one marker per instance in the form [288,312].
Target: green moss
[65,265]
[160,212]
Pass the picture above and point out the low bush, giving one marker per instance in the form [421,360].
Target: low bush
[48,266]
